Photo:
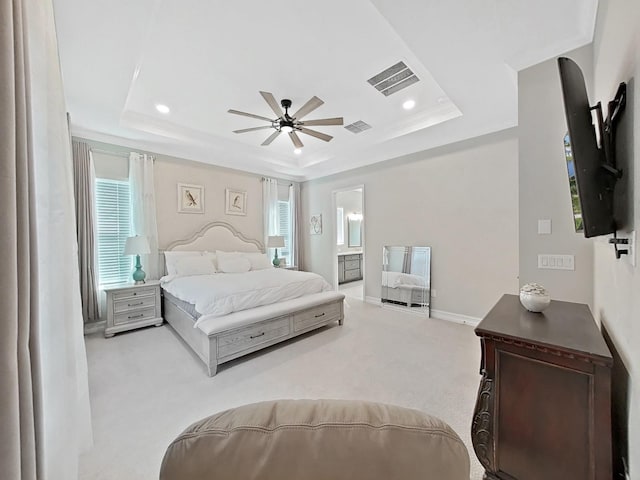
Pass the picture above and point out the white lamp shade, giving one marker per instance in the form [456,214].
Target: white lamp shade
[137,245]
[275,242]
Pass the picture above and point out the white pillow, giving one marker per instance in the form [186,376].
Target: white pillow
[171,257]
[213,257]
[259,261]
[199,265]
[233,263]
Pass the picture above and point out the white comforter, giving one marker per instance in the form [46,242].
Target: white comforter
[223,293]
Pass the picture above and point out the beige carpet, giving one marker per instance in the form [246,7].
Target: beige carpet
[146,386]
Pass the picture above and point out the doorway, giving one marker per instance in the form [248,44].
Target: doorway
[349,241]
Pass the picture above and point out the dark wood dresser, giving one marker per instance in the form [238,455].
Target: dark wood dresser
[544,404]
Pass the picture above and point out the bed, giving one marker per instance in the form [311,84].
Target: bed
[406,289]
[223,316]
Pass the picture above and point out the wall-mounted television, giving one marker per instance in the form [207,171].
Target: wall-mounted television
[590,152]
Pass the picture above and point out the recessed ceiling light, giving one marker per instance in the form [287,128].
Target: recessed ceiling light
[409,104]
[297,151]
[162,108]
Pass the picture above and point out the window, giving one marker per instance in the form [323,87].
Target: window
[284,229]
[113,212]
[340,226]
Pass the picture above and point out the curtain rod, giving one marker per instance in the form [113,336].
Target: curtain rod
[279,183]
[117,154]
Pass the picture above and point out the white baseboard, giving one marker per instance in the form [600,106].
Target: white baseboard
[455,317]
[439,314]
[94,327]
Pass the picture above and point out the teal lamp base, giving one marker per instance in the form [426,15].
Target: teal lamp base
[138,275]
[276,260]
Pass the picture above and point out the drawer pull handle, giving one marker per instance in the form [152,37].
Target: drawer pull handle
[135,316]
[321,315]
[256,336]
[134,304]
[134,294]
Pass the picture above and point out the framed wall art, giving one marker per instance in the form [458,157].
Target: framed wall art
[315,224]
[236,202]
[190,198]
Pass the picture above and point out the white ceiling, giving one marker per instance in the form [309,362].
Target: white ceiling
[120,58]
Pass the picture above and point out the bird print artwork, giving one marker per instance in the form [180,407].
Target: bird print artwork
[191,201]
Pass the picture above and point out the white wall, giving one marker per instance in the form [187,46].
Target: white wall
[462,200]
[616,282]
[544,185]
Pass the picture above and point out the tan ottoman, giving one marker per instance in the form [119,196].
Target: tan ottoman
[317,440]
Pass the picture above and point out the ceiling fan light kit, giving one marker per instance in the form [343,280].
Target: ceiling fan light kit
[290,124]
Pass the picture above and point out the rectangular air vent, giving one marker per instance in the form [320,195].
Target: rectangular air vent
[393,79]
[357,127]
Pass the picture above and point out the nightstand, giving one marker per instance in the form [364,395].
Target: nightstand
[132,306]
[290,267]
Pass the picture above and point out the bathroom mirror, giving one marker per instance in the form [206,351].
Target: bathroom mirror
[406,277]
[354,227]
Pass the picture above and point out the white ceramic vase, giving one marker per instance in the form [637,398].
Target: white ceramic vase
[534,297]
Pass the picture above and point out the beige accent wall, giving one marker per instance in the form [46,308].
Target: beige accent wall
[111,161]
[616,282]
[462,200]
[170,171]
[544,185]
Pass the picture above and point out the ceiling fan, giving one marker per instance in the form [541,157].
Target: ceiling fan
[291,124]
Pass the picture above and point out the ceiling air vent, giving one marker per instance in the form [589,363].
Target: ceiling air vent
[393,79]
[357,127]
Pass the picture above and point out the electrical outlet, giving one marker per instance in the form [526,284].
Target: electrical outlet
[434,294]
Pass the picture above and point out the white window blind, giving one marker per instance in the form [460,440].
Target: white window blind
[340,226]
[284,229]
[113,212]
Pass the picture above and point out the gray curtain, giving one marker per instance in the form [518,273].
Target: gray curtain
[296,226]
[84,179]
[18,284]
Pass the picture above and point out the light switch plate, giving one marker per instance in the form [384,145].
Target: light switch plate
[556,262]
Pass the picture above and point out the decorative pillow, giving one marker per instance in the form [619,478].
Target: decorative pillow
[172,257]
[259,261]
[199,265]
[233,263]
[213,257]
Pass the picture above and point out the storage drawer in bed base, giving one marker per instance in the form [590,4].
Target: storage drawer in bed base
[224,346]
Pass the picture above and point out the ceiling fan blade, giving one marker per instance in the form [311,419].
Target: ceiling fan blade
[313,133]
[308,107]
[245,114]
[324,121]
[270,99]
[271,138]
[252,129]
[295,139]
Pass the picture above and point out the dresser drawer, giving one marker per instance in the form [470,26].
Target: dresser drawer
[352,265]
[134,293]
[252,336]
[134,303]
[352,275]
[316,316]
[355,257]
[135,315]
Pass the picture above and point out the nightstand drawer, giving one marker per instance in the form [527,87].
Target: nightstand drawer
[135,316]
[134,303]
[134,293]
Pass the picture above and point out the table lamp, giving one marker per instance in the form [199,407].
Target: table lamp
[137,246]
[275,242]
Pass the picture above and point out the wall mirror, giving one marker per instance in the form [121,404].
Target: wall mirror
[406,277]
[354,227]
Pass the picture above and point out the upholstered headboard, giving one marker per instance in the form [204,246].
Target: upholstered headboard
[211,237]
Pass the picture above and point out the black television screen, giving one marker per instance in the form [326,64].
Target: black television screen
[573,185]
[594,183]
